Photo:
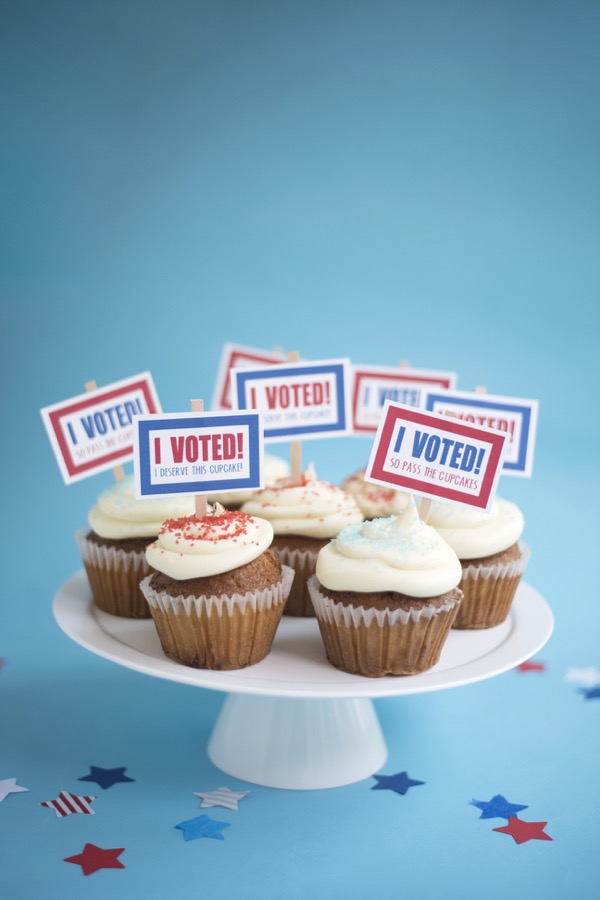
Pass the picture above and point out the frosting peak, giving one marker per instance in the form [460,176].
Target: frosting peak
[222,540]
[311,508]
[398,553]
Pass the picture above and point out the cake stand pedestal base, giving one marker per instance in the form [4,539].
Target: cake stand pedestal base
[297,743]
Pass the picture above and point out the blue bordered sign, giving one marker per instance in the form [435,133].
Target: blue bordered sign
[197,453]
[515,416]
[373,385]
[297,400]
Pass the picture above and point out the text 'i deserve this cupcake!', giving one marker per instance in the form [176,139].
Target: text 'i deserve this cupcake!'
[304,517]
[114,551]
[493,558]
[218,591]
[385,595]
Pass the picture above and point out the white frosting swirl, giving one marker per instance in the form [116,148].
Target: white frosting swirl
[398,553]
[220,541]
[312,508]
[118,515]
[274,469]
[374,500]
[473,533]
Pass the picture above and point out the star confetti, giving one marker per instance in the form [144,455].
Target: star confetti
[497,808]
[221,797]
[531,665]
[589,677]
[592,693]
[525,831]
[399,783]
[202,826]
[93,858]
[10,786]
[106,777]
[67,803]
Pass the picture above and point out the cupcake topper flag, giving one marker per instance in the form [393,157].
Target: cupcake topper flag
[298,400]
[93,432]
[436,456]
[200,499]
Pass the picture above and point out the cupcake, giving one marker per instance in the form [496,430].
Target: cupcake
[274,469]
[218,591]
[385,595]
[375,501]
[491,554]
[304,517]
[114,550]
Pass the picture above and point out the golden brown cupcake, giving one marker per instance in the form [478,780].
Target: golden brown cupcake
[385,596]
[218,591]
[492,557]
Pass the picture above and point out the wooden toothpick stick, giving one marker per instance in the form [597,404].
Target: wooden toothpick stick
[201,505]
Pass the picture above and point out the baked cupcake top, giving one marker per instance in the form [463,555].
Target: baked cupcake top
[312,508]
[274,469]
[222,540]
[118,515]
[397,553]
[374,500]
[473,533]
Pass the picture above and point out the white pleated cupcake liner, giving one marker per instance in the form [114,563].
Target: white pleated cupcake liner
[223,605]
[303,562]
[512,569]
[341,614]
[114,576]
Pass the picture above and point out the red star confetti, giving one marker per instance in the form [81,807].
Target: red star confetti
[525,831]
[531,665]
[10,786]
[67,803]
[93,858]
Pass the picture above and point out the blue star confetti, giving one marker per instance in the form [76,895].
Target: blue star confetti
[497,808]
[106,777]
[592,693]
[202,826]
[400,782]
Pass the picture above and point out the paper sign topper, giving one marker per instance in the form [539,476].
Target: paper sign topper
[297,400]
[94,431]
[197,453]
[237,356]
[517,417]
[373,385]
[436,456]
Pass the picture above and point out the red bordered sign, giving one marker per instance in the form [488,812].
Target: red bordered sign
[237,356]
[373,385]
[436,456]
[93,432]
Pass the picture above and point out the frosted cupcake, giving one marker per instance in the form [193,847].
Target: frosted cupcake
[493,558]
[374,500]
[275,468]
[114,549]
[218,591]
[385,595]
[304,517]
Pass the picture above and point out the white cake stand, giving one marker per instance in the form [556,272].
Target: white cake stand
[293,720]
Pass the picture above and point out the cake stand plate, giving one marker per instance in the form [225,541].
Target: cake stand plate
[293,720]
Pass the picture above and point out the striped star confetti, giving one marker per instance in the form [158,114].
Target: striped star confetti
[223,796]
[67,803]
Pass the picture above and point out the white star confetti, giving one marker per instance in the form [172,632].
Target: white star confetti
[588,677]
[221,797]
[10,786]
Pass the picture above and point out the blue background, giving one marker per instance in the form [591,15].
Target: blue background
[386,180]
